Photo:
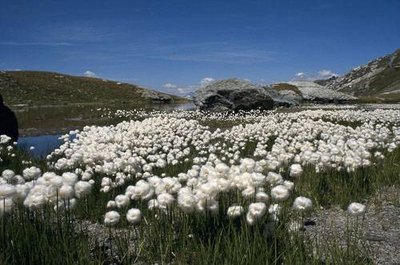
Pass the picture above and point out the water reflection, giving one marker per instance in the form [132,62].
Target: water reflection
[42,145]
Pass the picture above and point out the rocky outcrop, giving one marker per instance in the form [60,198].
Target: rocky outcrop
[156,97]
[285,95]
[233,94]
[313,92]
[325,82]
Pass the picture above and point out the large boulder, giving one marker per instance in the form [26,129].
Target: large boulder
[232,94]
[312,92]
[284,95]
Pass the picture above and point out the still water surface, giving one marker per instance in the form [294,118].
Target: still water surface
[42,144]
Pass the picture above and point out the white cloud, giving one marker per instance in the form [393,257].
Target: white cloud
[324,74]
[169,85]
[33,43]
[184,90]
[88,73]
[206,81]
[300,75]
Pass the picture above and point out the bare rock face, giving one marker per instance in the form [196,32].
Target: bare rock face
[312,92]
[233,94]
[284,97]
[378,77]
[157,97]
[290,96]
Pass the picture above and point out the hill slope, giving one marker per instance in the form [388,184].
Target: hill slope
[379,78]
[38,88]
[314,92]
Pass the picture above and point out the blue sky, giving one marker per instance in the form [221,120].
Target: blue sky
[173,45]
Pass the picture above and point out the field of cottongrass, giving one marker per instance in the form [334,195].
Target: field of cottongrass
[187,187]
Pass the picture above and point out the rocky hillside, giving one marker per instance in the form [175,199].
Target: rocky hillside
[38,88]
[313,92]
[379,78]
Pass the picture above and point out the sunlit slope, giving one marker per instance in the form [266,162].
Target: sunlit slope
[38,88]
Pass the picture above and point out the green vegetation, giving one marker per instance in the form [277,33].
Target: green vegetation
[45,237]
[381,98]
[329,188]
[52,103]
[46,88]
[55,236]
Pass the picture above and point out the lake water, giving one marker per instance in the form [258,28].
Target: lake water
[43,144]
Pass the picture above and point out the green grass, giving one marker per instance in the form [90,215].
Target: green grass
[176,237]
[46,88]
[39,238]
[329,188]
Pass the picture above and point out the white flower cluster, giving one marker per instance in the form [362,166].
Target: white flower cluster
[35,190]
[134,150]
[134,154]
[6,147]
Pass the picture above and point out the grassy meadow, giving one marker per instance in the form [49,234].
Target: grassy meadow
[71,231]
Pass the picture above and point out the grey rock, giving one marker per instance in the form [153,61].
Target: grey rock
[284,98]
[313,92]
[232,94]
[156,97]
[376,234]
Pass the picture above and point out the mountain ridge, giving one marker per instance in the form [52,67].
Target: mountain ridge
[378,78]
[41,87]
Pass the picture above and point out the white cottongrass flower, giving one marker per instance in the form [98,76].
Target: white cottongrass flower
[122,201]
[111,218]
[70,178]
[302,203]
[274,178]
[186,200]
[4,139]
[66,192]
[165,200]
[8,174]
[111,204]
[296,170]
[235,211]
[7,191]
[280,193]
[82,189]
[289,185]
[356,209]
[133,216]
[31,173]
[261,196]
[255,212]
[249,192]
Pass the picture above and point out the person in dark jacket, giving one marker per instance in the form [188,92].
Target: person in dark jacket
[8,122]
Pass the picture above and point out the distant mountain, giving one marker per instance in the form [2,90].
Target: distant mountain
[379,78]
[47,88]
[324,82]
